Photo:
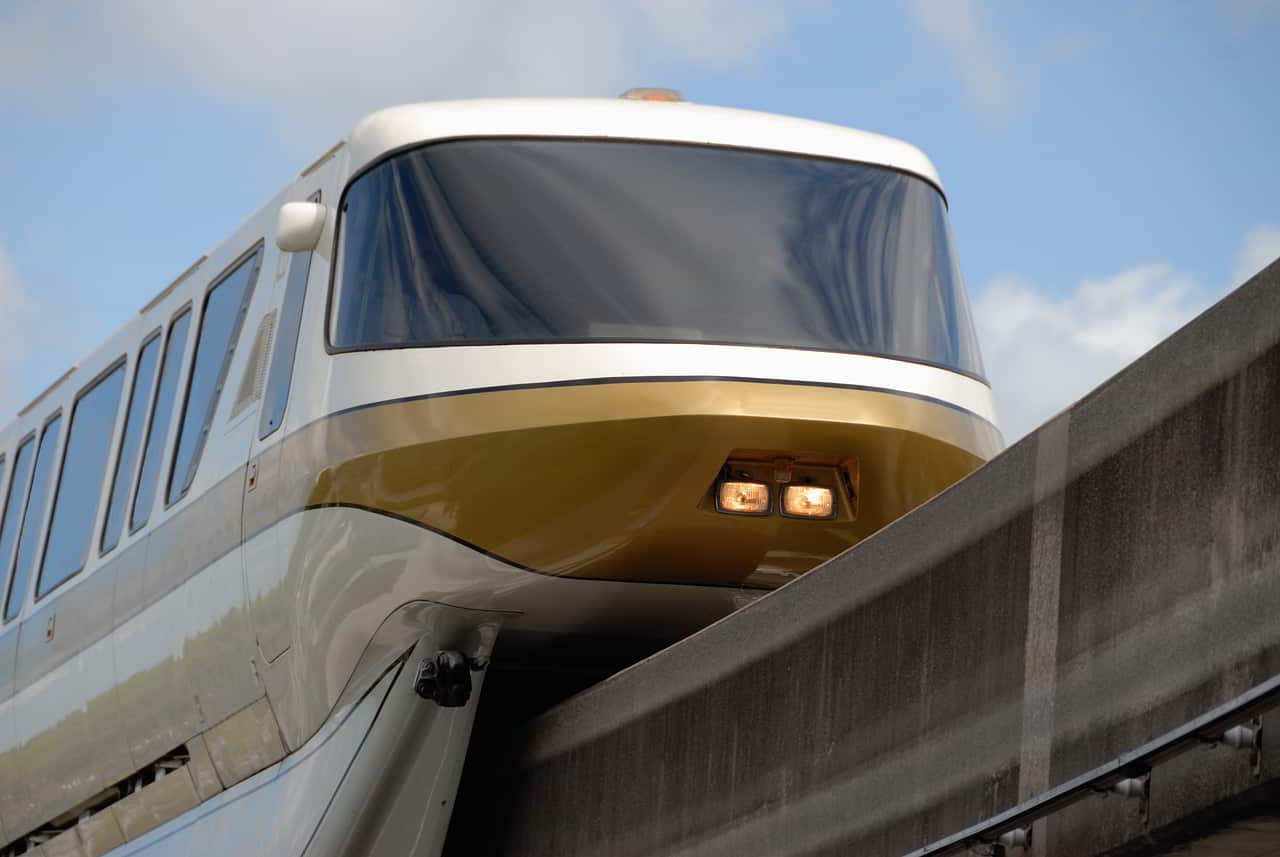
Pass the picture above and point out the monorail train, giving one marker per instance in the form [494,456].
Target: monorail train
[488,383]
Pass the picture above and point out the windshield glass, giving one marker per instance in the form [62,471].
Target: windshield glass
[520,240]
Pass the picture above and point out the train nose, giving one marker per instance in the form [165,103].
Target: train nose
[627,481]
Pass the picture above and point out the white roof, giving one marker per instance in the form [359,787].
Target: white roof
[685,122]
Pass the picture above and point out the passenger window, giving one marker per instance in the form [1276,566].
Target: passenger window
[281,375]
[75,499]
[4,487]
[17,492]
[224,310]
[153,449]
[33,519]
[143,377]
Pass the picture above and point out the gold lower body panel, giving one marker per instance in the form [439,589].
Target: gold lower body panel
[612,480]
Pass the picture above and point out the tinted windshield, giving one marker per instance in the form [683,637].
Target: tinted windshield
[523,240]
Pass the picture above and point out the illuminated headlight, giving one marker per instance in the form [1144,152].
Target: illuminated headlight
[808,501]
[743,498]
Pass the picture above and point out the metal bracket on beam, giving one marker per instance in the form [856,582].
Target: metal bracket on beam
[1128,766]
[1131,787]
[1240,737]
[1249,739]
[1246,737]
[1019,837]
[1011,843]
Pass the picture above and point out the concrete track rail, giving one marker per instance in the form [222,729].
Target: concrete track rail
[1106,581]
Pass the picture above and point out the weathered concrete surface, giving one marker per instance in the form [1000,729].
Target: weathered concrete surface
[1107,579]
[1258,837]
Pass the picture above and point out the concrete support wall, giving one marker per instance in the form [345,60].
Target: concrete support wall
[1107,579]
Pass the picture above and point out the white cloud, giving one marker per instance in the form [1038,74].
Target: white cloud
[1043,352]
[715,32]
[1261,247]
[343,59]
[958,27]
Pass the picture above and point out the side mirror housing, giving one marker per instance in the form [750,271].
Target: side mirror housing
[299,226]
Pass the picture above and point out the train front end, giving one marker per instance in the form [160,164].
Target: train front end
[658,343]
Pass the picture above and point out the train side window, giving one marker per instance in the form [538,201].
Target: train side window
[14,497]
[144,376]
[280,376]
[3,566]
[79,485]
[157,431]
[33,518]
[225,305]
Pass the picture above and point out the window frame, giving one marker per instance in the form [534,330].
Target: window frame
[130,486]
[5,476]
[4,484]
[6,570]
[26,510]
[130,529]
[258,249]
[65,442]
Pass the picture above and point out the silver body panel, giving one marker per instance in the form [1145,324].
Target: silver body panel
[319,801]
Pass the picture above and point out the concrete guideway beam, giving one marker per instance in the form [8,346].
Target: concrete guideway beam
[1104,582]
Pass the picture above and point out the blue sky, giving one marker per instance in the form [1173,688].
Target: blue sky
[1111,168]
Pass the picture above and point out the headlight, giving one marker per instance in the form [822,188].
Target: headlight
[808,501]
[743,498]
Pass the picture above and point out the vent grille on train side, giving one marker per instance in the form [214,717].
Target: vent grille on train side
[254,380]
